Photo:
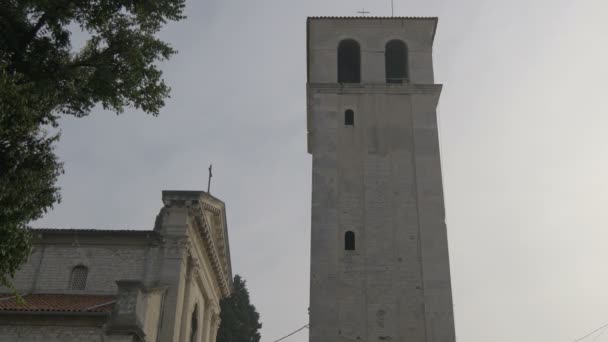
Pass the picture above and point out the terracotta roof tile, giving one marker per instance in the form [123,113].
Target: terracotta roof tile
[58,303]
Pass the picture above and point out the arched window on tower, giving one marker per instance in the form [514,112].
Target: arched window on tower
[349,117]
[349,241]
[78,277]
[194,324]
[395,59]
[349,62]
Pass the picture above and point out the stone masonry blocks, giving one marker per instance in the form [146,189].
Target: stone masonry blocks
[381,179]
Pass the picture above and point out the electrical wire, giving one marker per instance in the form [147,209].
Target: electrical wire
[292,333]
[600,334]
[593,332]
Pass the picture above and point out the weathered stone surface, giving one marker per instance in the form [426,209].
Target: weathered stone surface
[159,278]
[381,179]
[33,333]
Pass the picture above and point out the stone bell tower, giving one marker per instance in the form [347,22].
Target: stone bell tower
[379,255]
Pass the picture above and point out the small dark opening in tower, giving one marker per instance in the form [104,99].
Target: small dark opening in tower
[349,62]
[349,117]
[349,241]
[395,58]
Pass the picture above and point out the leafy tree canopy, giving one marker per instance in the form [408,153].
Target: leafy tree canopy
[43,76]
[240,322]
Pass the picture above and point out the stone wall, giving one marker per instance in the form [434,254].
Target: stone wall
[35,333]
[59,333]
[152,312]
[49,267]
[381,179]
[158,277]
[372,35]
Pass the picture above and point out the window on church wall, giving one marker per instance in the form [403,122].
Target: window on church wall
[194,324]
[78,278]
[349,62]
[349,117]
[349,241]
[395,59]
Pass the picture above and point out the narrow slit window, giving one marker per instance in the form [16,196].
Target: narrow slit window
[395,58]
[78,278]
[349,241]
[349,117]
[349,62]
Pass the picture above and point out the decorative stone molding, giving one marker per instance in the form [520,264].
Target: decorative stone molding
[196,264]
[215,244]
[210,247]
[215,320]
[211,208]
[365,88]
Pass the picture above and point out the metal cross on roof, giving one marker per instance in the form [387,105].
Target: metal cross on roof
[363,12]
[209,181]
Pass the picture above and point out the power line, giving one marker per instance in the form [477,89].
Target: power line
[603,329]
[286,336]
[600,334]
[593,332]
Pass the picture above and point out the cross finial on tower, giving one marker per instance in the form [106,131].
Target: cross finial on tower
[363,12]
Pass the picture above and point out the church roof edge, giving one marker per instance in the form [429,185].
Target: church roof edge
[60,230]
[190,194]
[93,236]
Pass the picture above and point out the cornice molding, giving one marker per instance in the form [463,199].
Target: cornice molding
[211,208]
[374,88]
[223,238]
[204,228]
[198,205]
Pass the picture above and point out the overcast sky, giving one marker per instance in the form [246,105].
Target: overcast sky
[523,118]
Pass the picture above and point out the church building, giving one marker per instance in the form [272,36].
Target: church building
[163,284]
[379,250]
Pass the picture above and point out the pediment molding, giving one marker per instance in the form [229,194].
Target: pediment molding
[213,247]
[207,215]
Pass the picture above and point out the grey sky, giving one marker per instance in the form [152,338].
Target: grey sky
[523,117]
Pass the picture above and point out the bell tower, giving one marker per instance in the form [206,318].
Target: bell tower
[379,252]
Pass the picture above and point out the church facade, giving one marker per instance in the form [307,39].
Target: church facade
[379,250]
[163,284]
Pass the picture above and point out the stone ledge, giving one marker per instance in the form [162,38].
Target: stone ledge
[374,88]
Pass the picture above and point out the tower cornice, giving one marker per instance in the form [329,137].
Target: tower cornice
[376,88]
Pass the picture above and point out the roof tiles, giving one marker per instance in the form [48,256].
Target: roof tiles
[58,303]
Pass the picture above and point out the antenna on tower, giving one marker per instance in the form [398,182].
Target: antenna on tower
[392,8]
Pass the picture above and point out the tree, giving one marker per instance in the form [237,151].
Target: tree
[239,319]
[42,76]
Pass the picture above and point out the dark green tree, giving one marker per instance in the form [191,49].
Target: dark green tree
[42,76]
[240,322]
